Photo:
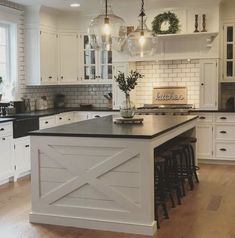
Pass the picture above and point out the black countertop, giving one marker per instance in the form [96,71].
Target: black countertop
[3,120]
[105,127]
[216,111]
[54,111]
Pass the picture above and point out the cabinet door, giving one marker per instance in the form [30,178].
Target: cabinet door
[209,84]
[118,95]
[6,163]
[68,58]
[49,57]
[204,141]
[22,156]
[229,53]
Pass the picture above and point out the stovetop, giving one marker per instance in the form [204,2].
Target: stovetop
[167,106]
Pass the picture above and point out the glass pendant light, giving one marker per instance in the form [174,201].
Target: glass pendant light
[141,42]
[107,31]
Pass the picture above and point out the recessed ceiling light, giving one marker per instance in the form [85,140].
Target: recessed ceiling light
[74,5]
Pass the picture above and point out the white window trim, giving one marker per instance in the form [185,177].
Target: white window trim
[8,51]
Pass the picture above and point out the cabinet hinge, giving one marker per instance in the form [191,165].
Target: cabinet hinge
[77,36]
[212,152]
[57,36]
[14,147]
[40,32]
[15,167]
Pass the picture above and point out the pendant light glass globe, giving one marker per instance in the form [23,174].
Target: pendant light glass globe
[141,42]
[107,31]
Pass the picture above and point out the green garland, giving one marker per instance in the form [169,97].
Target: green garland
[166,16]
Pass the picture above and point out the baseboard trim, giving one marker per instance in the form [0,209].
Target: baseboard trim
[131,228]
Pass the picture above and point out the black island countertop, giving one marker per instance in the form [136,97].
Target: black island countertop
[105,127]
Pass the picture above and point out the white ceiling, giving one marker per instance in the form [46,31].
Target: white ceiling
[92,5]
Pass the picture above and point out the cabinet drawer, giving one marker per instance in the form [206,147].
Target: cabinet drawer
[61,118]
[225,150]
[204,117]
[47,122]
[6,129]
[225,118]
[225,132]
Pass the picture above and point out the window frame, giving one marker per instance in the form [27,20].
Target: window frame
[8,51]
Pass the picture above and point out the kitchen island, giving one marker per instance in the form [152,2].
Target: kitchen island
[99,175]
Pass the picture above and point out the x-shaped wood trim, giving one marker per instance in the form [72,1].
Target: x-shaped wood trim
[82,177]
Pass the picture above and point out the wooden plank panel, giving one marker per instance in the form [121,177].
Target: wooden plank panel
[133,165]
[87,150]
[91,203]
[55,175]
[123,179]
[89,192]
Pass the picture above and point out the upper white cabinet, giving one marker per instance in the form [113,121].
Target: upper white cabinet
[49,57]
[229,53]
[209,84]
[96,64]
[68,58]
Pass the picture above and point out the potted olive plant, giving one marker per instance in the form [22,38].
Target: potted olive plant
[126,84]
[0,88]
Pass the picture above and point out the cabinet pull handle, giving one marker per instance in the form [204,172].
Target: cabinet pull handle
[2,129]
[27,146]
[97,116]
[50,77]
[223,132]
[223,118]
[46,122]
[202,118]
[223,149]
[3,138]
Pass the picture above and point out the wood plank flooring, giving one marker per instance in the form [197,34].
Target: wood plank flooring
[206,212]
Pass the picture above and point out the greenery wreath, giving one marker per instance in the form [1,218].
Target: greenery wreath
[169,17]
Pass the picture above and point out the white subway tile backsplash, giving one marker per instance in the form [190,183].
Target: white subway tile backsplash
[181,73]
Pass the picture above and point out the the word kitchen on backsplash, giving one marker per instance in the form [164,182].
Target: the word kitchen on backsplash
[168,73]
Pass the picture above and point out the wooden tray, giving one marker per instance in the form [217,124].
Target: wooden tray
[135,120]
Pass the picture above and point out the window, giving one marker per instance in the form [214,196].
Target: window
[4,54]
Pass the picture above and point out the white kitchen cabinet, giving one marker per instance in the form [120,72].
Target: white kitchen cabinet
[68,58]
[209,72]
[22,156]
[6,148]
[47,122]
[229,53]
[49,57]
[204,141]
[96,64]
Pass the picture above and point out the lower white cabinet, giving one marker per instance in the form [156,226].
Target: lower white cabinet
[204,141]
[22,156]
[215,137]
[46,122]
[6,156]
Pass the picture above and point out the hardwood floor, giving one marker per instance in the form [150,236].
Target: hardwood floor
[206,212]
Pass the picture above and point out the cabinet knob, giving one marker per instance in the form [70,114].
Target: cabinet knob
[202,118]
[223,149]
[46,122]
[60,118]
[50,77]
[97,116]
[3,138]
[223,118]
[202,84]
[27,146]
[2,129]
[223,132]
[62,77]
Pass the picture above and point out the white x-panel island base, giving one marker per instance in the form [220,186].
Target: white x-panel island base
[99,175]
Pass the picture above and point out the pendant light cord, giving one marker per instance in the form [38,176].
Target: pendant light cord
[106,8]
[142,15]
